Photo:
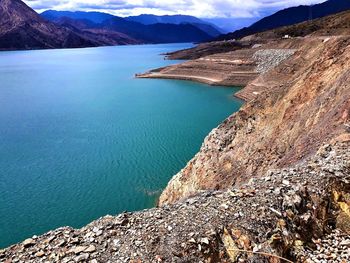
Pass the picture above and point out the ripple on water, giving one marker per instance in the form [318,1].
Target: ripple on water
[80,138]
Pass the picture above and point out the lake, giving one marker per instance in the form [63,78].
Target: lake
[81,138]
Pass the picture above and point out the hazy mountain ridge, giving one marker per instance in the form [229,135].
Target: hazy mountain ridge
[137,23]
[148,19]
[22,28]
[290,16]
[206,26]
[154,33]
[96,17]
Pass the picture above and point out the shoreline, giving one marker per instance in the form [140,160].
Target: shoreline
[263,178]
[204,80]
[241,67]
[198,79]
[88,47]
[271,183]
[208,221]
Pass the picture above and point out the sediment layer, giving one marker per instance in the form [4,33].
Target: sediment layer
[235,68]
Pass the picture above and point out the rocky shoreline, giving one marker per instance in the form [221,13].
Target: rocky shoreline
[288,118]
[269,184]
[285,214]
[235,68]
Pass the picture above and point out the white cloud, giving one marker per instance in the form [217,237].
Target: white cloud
[199,8]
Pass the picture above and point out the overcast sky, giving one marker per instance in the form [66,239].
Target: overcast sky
[199,8]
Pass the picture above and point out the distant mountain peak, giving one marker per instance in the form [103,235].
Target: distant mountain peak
[149,19]
[96,17]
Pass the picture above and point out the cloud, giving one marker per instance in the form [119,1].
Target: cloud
[199,8]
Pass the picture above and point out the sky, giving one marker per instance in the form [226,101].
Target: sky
[200,8]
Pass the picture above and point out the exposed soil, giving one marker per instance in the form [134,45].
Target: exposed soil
[301,104]
[269,184]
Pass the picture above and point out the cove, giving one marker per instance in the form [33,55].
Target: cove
[81,138]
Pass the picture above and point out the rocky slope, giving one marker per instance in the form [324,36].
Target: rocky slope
[235,68]
[270,184]
[287,213]
[209,48]
[298,105]
[333,25]
[22,28]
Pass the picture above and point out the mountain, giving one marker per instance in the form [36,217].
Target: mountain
[167,19]
[209,29]
[205,26]
[22,28]
[91,30]
[272,177]
[230,24]
[96,17]
[157,33]
[153,33]
[291,16]
[337,24]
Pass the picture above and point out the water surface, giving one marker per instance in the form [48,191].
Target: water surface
[81,138]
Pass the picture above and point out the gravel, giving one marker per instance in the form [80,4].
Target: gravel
[277,214]
[269,58]
[334,247]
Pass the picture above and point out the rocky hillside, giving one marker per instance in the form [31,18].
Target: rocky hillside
[300,213]
[235,68]
[206,49]
[333,25]
[22,28]
[338,24]
[296,107]
[270,184]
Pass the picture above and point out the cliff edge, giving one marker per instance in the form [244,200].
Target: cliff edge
[270,184]
[299,214]
[297,106]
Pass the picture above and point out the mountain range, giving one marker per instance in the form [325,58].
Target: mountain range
[290,16]
[22,28]
[133,22]
[206,26]
[97,23]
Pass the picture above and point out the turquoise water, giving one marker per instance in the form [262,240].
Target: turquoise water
[81,138]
